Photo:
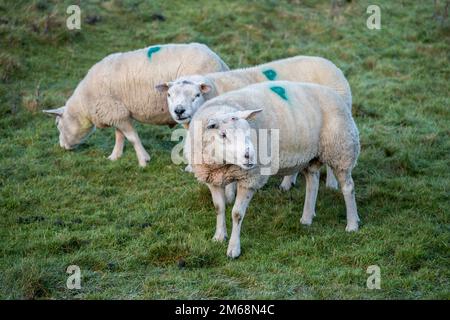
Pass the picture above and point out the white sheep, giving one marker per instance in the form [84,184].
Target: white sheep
[314,125]
[121,88]
[186,94]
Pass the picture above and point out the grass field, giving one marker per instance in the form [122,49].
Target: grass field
[146,233]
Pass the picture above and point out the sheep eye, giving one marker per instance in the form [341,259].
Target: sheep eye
[233,118]
[211,126]
[197,95]
[168,94]
[223,135]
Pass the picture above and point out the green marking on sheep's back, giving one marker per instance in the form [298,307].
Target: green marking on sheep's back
[152,50]
[279,91]
[270,74]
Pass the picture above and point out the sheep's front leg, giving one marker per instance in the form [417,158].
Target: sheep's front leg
[312,176]
[218,197]
[132,136]
[348,190]
[288,182]
[118,147]
[243,197]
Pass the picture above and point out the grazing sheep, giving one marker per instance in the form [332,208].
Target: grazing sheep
[315,127]
[186,94]
[118,89]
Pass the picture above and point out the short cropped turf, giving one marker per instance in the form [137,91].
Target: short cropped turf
[146,233]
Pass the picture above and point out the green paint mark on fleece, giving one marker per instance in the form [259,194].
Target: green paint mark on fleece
[279,91]
[152,50]
[270,74]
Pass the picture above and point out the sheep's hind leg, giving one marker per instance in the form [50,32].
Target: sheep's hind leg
[130,133]
[118,147]
[348,190]
[230,192]
[218,197]
[312,176]
[243,197]
[331,179]
[188,168]
[288,182]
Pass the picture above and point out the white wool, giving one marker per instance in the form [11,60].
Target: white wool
[315,127]
[299,69]
[121,88]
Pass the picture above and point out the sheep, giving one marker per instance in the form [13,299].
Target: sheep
[314,126]
[186,94]
[119,89]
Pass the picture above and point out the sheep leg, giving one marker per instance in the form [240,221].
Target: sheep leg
[118,147]
[230,192]
[132,136]
[188,168]
[312,176]
[348,190]
[218,197]
[243,197]
[331,179]
[288,182]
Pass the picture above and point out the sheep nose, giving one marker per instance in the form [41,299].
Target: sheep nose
[247,154]
[179,110]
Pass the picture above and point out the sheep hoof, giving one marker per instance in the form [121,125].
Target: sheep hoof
[234,252]
[286,186]
[188,168]
[306,221]
[143,163]
[143,160]
[147,157]
[332,184]
[221,237]
[351,227]
[113,157]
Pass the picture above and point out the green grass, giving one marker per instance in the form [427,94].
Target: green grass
[146,233]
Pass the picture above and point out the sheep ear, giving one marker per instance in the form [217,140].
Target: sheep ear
[163,87]
[212,124]
[247,114]
[55,112]
[205,88]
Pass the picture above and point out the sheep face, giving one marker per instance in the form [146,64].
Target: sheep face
[228,139]
[71,131]
[184,97]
